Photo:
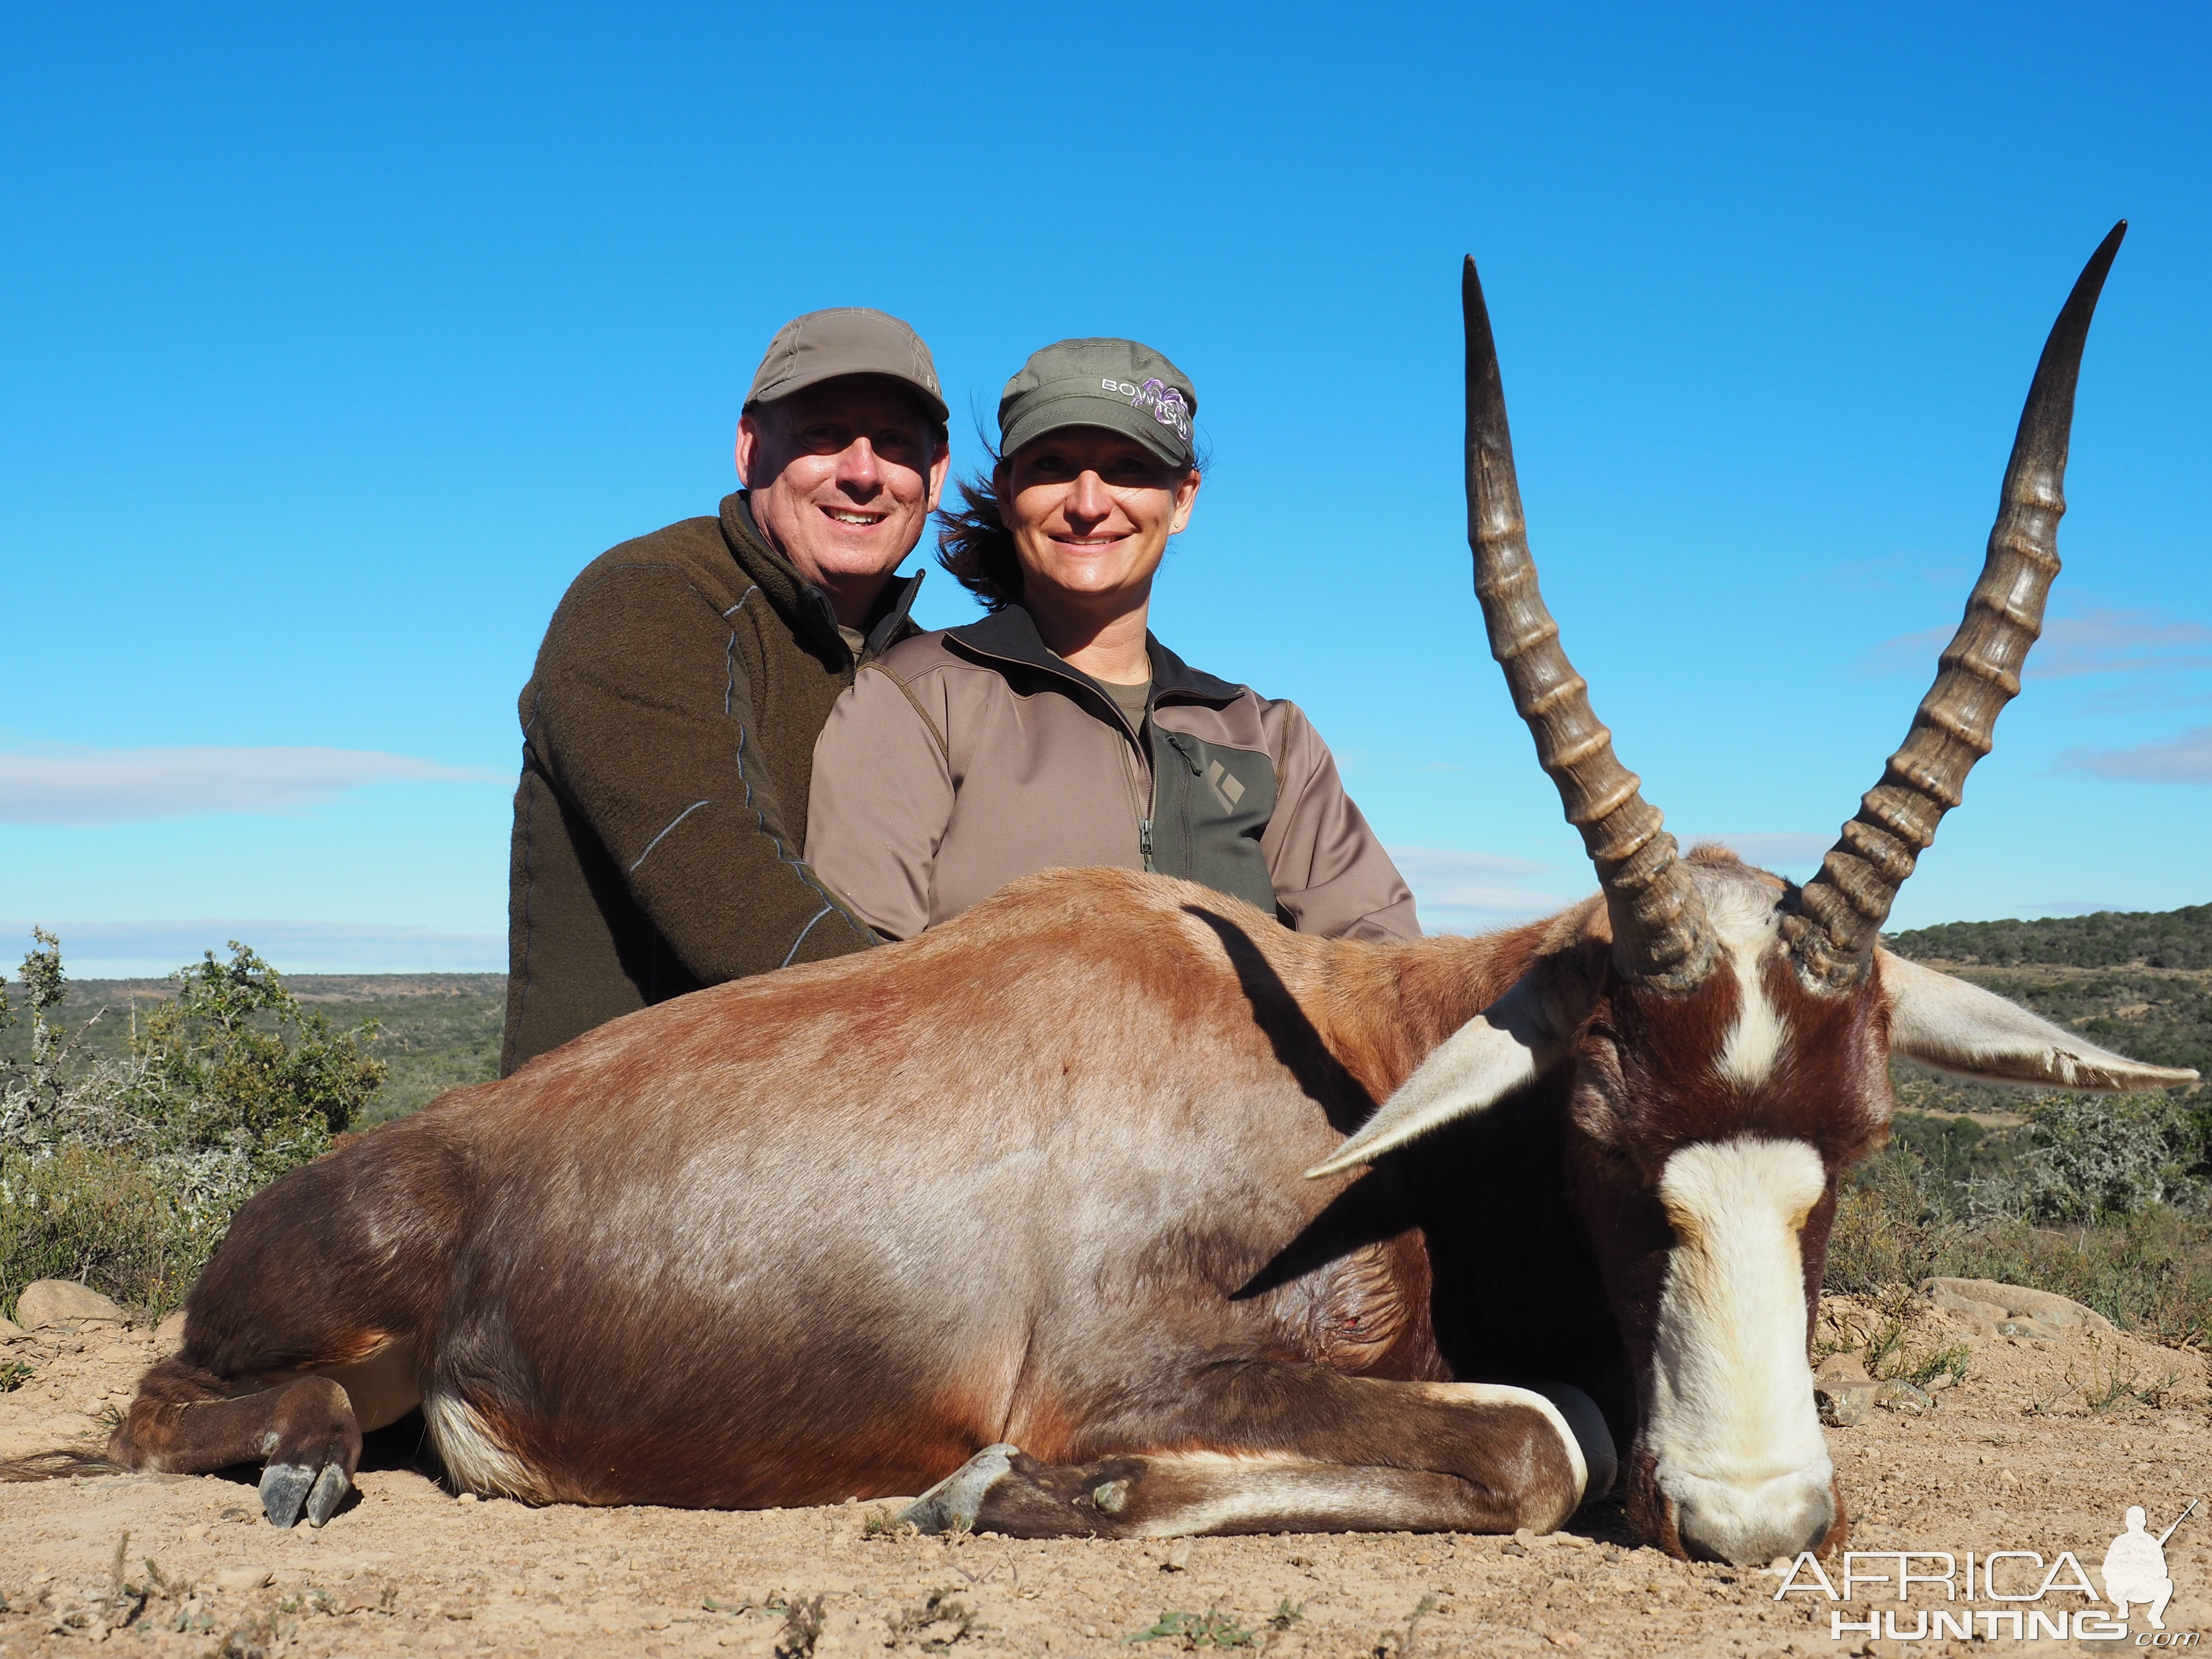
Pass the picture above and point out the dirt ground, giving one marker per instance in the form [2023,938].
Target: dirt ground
[2014,1458]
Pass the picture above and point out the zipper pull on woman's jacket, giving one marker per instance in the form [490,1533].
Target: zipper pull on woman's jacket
[1187,746]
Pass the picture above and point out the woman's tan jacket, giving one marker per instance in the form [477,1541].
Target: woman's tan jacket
[961,760]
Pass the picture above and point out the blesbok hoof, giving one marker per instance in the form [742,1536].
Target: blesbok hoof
[952,1505]
[290,1489]
[328,1493]
[284,1489]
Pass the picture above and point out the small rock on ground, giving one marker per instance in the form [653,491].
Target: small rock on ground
[51,1301]
[1842,1405]
[1991,1302]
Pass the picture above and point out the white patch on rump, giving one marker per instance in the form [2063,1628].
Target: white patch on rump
[477,1462]
[1733,1430]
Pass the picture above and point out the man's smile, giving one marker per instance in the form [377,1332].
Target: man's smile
[855,516]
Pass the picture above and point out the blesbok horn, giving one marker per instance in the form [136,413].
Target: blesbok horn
[1840,911]
[1660,933]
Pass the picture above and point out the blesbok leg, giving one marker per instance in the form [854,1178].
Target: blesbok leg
[188,1421]
[1370,1456]
[290,1350]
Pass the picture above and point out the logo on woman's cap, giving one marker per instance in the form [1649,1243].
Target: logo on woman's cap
[1164,401]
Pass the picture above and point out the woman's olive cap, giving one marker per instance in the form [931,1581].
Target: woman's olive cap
[823,345]
[1116,383]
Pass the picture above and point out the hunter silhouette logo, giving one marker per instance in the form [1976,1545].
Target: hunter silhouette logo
[2135,1567]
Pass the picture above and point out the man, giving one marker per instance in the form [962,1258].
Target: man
[669,726]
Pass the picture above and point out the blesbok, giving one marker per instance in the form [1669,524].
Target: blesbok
[1051,1210]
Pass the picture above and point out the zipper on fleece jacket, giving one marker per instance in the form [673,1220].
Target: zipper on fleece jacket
[1137,804]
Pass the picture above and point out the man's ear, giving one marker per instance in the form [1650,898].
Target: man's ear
[1510,1044]
[1959,1027]
[940,468]
[749,443]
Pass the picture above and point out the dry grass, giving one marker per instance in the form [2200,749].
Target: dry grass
[2150,1275]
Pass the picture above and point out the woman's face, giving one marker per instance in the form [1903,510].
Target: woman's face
[1091,510]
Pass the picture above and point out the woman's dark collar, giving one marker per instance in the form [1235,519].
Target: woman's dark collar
[1011,635]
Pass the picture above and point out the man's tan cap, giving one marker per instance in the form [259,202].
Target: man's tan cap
[847,340]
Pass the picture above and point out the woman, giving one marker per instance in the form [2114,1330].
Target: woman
[1058,731]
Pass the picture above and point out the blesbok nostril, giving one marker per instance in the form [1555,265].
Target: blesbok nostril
[1723,1532]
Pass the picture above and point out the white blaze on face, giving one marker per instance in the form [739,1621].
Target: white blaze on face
[1746,921]
[1756,1041]
[1733,1430]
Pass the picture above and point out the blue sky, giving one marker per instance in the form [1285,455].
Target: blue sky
[339,341]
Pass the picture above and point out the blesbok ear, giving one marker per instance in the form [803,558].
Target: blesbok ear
[1959,1027]
[1511,1042]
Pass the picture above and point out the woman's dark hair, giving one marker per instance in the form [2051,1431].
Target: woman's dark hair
[975,546]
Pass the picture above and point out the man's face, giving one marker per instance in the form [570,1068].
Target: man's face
[844,475]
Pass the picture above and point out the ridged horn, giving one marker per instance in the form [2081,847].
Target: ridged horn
[1841,910]
[1661,935]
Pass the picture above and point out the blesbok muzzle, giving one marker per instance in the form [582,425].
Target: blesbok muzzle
[1731,1441]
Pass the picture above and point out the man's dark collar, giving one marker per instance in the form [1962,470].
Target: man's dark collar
[800,602]
[1011,635]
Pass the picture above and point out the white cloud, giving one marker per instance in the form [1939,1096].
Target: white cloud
[102,786]
[2185,759]
[2118,641]
[1460,892]
[130,949]
[2093,642]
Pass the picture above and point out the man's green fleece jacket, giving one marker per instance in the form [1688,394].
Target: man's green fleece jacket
[668,748]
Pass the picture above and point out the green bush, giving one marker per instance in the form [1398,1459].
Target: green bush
[2099,1158]
[1885,1230]
[1954,1201]
[2151,1274]
[102,1217]
[125,1172]
[2158,939]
